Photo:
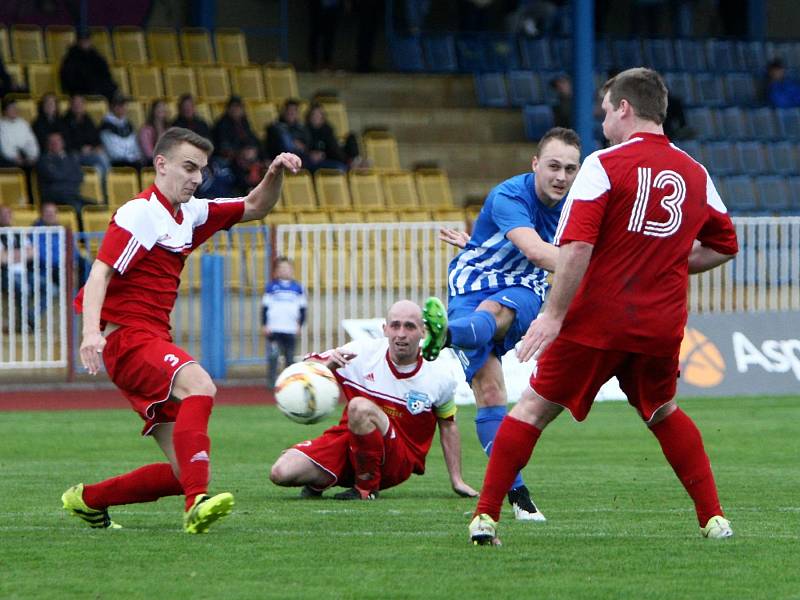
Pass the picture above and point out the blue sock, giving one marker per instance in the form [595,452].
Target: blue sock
[487,422]
[473,331]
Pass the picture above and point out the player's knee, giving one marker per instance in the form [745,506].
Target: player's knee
[280,474]
[359,410]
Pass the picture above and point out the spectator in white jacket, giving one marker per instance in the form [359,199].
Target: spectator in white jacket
[18,144]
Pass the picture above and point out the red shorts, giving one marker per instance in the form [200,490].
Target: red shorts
[331,452]
[571,374]
[143,366]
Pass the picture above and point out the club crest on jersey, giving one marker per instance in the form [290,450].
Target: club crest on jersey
[417,402]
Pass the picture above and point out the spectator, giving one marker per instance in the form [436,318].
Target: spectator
[232,131]
[18,144]
[188,119]
[48,120]
[288,134]
[676,127]
[324,151]
[531,17]
[83,138]
[562,110]
[84,71]
[284,313]
[155,125]
[16,272]
[119,137]
[323,22]
[248,170]
[47,247]
[60,176]
[782,92]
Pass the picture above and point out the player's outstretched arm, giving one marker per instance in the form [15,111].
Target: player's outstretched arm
[94,293]
[702,258]
[451,449]
[535,249]
[454,237]
[263,198]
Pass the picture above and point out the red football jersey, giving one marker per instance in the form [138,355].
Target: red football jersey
[642,204]
[147,246]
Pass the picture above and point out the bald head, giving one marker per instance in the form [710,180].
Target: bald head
[404,329]
[404,310]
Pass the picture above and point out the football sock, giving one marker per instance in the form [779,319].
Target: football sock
[192,445]
[682,444]
[474,331]
[145,484]
[511,451]
[487,420]
[366,454]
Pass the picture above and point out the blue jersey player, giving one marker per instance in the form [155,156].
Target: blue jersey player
[497,284]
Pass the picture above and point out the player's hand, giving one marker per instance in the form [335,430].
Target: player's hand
[539,336]
[454,237]
[339,358]
[464,490]
[92,352]
[266,331]
[285,160]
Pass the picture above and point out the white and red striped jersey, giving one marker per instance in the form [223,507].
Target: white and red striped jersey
[147,246]
[642,204]
[412,399]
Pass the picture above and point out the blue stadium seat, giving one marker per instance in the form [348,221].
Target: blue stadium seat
[765,126]
[627,53]
[736,123]
[740,89]
[751,55]
[538,119]
[793,183]
[789,122]
[788,51]
[773,193]
[719,159]
[782,158]
[703,121]
[681,85]
[658,54]
[721,56]
[537,54]
[440,53]
[692,148]
[524,87]
[740,194]
[603,58]
[709,88]
[501,53]
[563,51]
[471,53]
[689,55]
[751,158]
[491,89]
[407,54]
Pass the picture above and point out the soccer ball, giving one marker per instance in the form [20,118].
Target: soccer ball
[306,392]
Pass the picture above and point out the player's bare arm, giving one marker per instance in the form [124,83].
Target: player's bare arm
[573,260]
[451,449]
[263,198]
[702,258]
[535,249]
[94,294]
[454,237]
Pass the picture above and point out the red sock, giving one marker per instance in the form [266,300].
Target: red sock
[145,484]
[192,446]
[683,446]
[366,454]
[512,448]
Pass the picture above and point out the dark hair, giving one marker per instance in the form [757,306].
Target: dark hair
[7,101]
[175,136]
[568,136]
[281,259]
[151,114]
[645,91]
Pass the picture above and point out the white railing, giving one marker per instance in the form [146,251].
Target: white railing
[33,297]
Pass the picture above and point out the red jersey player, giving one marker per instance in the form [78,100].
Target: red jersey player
[126,305]
[394,402]
[640,217]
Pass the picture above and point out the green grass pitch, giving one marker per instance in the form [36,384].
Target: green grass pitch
[619,523]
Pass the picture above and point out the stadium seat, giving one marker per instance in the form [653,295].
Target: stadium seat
[95,218]
[26,107]
[23,216]
[90,186]
[451,214]
[336,115]
[562,48]
[27,44]
[750,157]
[689,55]
[399,190]
[709,89]
[736,123]
[97,108]
[120,75]
[43,79]
[681,84]
[501,52]
[627,53]
[366,190]
[380,216]
[658,54]
[162,44]
[346,216]
[692,148]
[406,54]
[280,218]
[179,81]
[213,84]
[721,56]
[789,122]
[740,194]
[740,89]
[196,46]
[13,188]
[67,217]
[793,183]
[524,87]
[440,53]
[147,176]
[312,217]
[101,40]
[537,54]
[5,47]
[260,115]
[433,188]
[414,215]
[782,158]
[248,83]
[146,83]
[136,113]
[17,73]
[490,89]
[281,82]
[380,148]
[332,191]
[58,39]
[122,185]
[751,55]
[765,126]
[471,53]
[773,193]
[231,46]
[538,119]
[703,121]
[129,46]
[298,192]
[719,159]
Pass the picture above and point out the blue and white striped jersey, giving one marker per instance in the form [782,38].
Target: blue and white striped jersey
[490,260]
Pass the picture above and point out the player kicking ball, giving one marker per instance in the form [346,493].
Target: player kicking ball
[126,305]
[395,401]
[497,284]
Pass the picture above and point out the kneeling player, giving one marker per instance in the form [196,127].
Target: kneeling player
[394,402]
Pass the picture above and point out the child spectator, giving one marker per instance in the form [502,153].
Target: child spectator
[284,313]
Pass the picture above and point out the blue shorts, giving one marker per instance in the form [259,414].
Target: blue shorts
[524,301]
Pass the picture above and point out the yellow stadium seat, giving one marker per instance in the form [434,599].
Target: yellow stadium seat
[336,115]
[120,76]
[179,81]
[380,216]
[381,150]
[13,189]
[248,82]
[26,107]
[190,276]
[433,188]
[97,107]
[43,79]
[281,82]
[147,177]
[67,217]
[96,218]
[196,46]
[27,44]
[146,83]
[346,216]
[231,47]
[216,109]
[332,191]
[315,217]
[260,115]
[24,216]
[129,46]
[162,43]
[213,84]
[202,110]
[91,187]
[365,189]
[413,215]
[17,74]
[101,40]
[5,47]
[298,192]
[472,211]
[136,114]
[122,185]
[58,39]
[399,190]
[280,218]
[448,214]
